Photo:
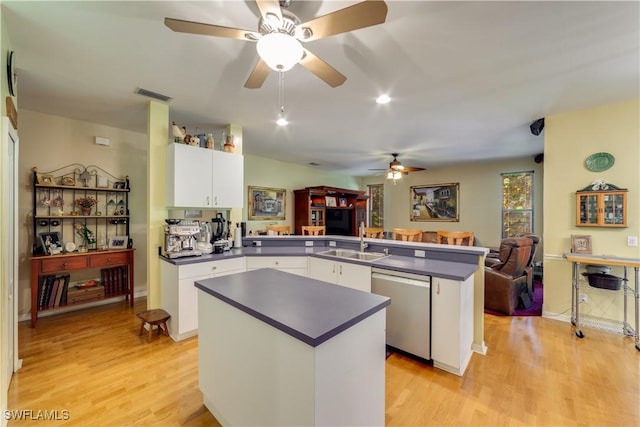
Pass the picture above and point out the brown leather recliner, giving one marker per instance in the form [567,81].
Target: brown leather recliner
[505,280]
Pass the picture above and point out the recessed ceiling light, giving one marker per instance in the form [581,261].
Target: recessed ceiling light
[282,121]
[383,99]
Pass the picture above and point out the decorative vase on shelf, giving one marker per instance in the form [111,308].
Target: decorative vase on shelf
[210,141]
[228,145]
[85,211]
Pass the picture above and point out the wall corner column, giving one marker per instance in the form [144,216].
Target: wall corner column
[158,134]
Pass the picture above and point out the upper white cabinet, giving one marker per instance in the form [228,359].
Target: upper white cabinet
[204,178]
[353,276]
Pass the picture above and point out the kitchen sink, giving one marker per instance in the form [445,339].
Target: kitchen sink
[351,254]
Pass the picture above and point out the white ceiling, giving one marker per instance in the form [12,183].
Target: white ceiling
[466,78]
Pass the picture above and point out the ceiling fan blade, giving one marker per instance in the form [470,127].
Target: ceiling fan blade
[326,72]
[360,15]
[190,27]
[258,75]
[410,169]
[269,7]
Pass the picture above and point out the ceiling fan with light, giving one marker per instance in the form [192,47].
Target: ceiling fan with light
[280,34]
[397,170]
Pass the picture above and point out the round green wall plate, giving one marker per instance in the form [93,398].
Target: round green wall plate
[599,162]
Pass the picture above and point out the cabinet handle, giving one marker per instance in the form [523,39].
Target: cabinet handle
[214,267]
[65,264]
[438,289]
[340,269]
[207,202]
[276,262]
[334,268]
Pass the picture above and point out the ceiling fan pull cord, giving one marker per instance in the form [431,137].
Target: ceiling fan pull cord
[281,91]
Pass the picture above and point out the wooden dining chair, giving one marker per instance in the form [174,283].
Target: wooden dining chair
[279,230]
[374,232]
[460,238]
[407,234]
[313,230]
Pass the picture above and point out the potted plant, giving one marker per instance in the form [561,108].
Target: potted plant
[86,203]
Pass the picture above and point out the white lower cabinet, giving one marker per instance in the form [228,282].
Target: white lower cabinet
[353,276]
[451,324]
[289,264]
[180,296]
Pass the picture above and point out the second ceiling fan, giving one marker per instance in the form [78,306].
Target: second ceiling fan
[280,33]
[396,167]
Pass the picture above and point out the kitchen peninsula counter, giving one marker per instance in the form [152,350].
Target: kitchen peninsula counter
[297,351]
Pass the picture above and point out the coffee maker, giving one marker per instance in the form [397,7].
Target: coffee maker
[180,239]
[220,234]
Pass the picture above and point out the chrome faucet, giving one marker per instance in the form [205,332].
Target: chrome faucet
[363,245]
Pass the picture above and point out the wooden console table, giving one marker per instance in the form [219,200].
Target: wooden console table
[634,263]
[46,265]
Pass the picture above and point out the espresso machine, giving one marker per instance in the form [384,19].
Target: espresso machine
[180,239]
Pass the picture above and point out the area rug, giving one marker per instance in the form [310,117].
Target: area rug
[535,309]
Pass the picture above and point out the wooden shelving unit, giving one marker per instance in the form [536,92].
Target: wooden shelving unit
[56,217]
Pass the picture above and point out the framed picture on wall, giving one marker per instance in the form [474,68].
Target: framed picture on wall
[267,204]
[437,202]
[581,244]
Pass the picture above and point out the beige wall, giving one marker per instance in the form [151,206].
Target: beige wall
[569,139]
[49,142]
[262,172]
[480,197]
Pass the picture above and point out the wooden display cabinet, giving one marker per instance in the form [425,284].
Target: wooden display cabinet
[311,207]
[67,241]
[601,208]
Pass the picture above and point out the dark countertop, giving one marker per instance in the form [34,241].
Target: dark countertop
[446,261]
[294,304]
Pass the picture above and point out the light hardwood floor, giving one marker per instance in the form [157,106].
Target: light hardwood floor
[93,364]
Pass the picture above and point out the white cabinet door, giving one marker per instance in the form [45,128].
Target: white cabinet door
[322,269]
[227,180]
[353,276]
[181,300]
[203,178]
[452,324]
[189,176]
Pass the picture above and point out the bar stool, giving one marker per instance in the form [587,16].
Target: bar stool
[313,230]
[279,230]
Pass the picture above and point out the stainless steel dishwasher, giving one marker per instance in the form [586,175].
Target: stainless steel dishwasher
[409,315]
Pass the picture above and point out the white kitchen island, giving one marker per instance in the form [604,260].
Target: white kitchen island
[280,349]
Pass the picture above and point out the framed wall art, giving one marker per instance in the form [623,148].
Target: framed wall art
[266,204]
[581,244]
[438,202]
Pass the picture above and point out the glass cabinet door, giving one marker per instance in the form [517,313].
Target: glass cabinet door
[588,209]
[612,208]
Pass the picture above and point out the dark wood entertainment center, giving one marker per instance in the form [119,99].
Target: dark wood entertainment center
[340,210]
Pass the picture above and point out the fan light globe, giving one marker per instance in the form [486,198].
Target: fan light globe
[280,51]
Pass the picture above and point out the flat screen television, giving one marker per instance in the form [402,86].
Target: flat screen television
[339,221]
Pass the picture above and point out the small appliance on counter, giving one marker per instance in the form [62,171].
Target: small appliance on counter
[180,238]
[204,238]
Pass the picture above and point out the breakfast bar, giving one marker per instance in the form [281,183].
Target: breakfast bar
[280,349]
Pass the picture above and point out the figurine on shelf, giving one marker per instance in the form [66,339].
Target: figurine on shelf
[178,134]
[228,145]
[210,141]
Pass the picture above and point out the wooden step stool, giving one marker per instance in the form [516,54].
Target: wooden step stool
[157,317]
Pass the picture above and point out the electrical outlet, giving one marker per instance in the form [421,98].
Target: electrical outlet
[584,298]
[632,240]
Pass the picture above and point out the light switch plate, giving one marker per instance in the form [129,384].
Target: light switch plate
[332,244]
[419,253]
[632,240]
[308,243]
